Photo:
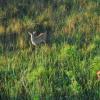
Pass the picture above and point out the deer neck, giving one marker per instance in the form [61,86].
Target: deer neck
[33,40]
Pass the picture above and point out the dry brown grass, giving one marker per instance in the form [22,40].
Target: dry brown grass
[2,29]
[14,25]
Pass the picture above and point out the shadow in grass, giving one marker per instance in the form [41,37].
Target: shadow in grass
[3,95]
[63,39]
[5,78]
[8,42]
[23,95]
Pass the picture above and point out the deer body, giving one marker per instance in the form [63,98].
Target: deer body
[36,40]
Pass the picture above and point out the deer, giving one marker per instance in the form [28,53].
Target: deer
[98,75]
[36,40]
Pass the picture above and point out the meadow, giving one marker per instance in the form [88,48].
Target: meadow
[63,69]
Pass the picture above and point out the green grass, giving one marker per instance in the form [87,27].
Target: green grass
[63,70]
[52,72]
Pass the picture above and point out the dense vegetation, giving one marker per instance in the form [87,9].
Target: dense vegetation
[65,69]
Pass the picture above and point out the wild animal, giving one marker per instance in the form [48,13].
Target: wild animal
[36,40]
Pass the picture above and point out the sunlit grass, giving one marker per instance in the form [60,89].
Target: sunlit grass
[47,71]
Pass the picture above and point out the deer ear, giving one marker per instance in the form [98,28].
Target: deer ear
[34,32]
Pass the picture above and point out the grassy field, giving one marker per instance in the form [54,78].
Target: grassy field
[64,69]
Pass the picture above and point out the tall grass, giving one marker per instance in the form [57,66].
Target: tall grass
[65,69]
[59,71]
